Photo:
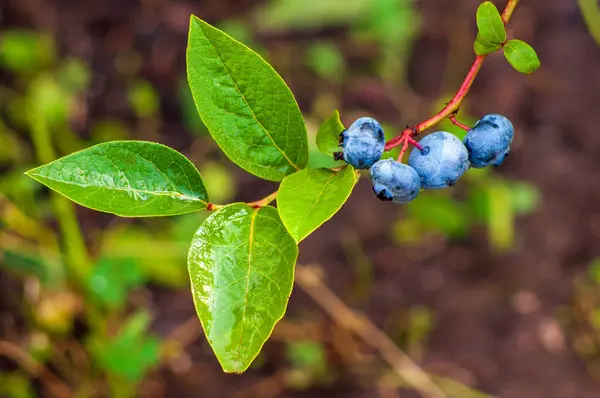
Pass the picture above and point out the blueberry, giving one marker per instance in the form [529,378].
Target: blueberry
[443,160]
[489,140]
[395,181]
[363,143]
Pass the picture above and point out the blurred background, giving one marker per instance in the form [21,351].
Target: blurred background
[490,286]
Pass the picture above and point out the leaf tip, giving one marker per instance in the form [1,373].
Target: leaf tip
[31,173]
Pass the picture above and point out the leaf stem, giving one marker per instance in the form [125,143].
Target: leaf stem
[455,122]
[256,204]
[453,106]
[264,201]
[77,256]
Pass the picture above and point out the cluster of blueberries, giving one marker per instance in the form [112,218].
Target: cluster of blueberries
[442,160]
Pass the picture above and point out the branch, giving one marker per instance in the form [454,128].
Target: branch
[54,385]
[341,314]
[455,103]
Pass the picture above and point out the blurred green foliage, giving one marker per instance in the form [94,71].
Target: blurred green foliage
[582,318]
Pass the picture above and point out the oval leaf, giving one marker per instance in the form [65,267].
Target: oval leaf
[247,107]
[127,178]
[241,266]
[328,136]
[521,56]
[489,22]
[308,198]
[484,47]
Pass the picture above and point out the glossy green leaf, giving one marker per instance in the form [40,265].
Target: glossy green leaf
[241,265]
[521,56]
[490,25]
[248,109]
[484,47]
[328,136]
[127,178]
[308,198]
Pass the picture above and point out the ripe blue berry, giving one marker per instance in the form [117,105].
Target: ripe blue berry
[443,160]
[363,143]
[395,181]
[489,140]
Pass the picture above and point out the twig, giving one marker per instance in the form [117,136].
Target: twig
[55,385]
[366,330]
[256,204]
[455,103]
[455,122]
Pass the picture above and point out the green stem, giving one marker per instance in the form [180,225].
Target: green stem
[77,257]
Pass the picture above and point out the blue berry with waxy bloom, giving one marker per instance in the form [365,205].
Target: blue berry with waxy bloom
[395,181]
[441,162]
[489,140]
[362,144]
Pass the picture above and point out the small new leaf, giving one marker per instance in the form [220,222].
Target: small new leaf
[308,198]
[328,136]
[521,56]
[484,47]
[246,106]
[490,25]
[241,265]
[127,178]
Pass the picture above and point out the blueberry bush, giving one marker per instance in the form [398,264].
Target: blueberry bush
[242,257]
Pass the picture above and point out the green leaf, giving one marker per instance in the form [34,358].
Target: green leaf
[525,197]
[143,98]
[241,265]
[26,51]
[328,136]
[490,25]
[248,109]
[501,216]
[112,279]
[484,47]
[127,178]
[327,61]
[308,198]
[521,56]
[439,212]
[132,352]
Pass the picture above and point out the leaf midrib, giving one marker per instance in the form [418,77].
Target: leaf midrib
[247,104]
[250,241]
[134,190]
[520,55]
[320,194]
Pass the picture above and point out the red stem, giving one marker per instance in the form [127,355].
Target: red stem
[452,107]
[455,122]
